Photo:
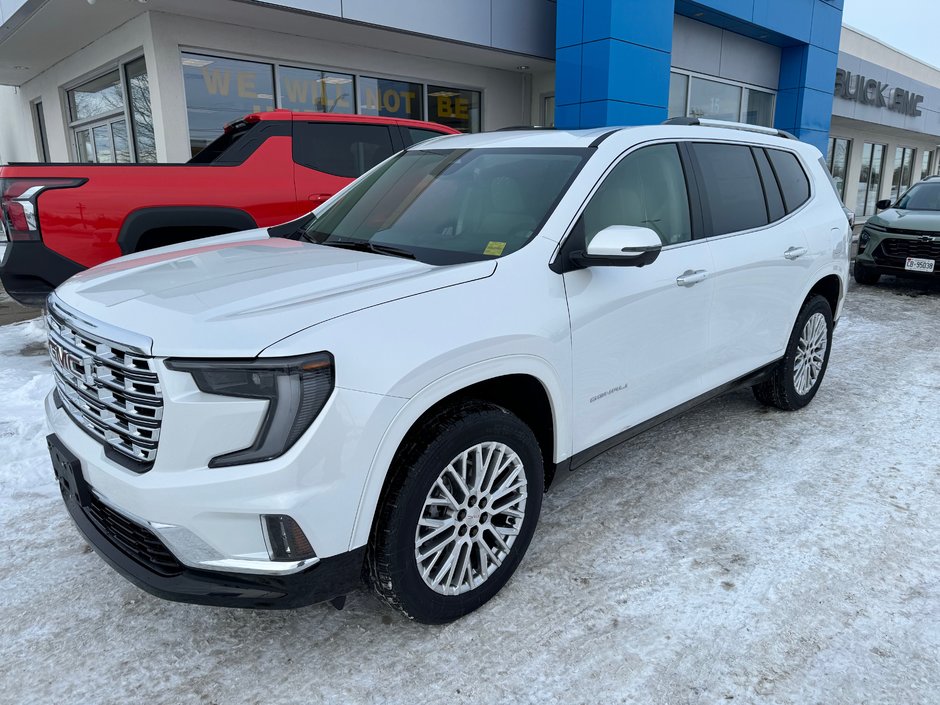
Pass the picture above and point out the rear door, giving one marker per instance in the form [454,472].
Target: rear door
[328,155]
[638,333]
[749,196]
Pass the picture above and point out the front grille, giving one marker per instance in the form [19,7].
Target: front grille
[897,248]
[138,542]
[110,390]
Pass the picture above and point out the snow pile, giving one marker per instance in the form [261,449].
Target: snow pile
[25,379]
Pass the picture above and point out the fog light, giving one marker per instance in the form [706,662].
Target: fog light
[285,539]
[863,241]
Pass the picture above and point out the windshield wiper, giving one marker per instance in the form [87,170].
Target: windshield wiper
[366,246]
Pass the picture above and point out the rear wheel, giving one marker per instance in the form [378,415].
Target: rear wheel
[459,517]
[865,276]
[796,379]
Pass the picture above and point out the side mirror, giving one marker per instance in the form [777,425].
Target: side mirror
[883,203]
[620,246]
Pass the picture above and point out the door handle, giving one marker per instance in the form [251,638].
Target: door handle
[691,278]
[794,252]
[318,198]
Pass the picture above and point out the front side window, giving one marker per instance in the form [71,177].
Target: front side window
[922,197]
[341,149]
[731,188]
[449,206]
[646,189]
[219,91]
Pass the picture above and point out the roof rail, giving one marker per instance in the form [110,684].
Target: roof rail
[704,122]
[511,128]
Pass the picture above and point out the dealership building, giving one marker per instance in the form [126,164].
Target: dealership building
[156,80]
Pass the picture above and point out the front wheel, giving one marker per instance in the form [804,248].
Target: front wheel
[796,379]
[460,514]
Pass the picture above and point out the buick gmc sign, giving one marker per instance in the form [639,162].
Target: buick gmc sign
[868,91]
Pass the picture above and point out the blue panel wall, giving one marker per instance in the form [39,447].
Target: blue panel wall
[612,62]
[613,58]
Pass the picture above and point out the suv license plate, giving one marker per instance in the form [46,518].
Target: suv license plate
[917,264]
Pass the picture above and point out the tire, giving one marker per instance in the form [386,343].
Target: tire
[415,493]
[790,387]
[865,276]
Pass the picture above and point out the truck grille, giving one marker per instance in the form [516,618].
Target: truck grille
[110,390]
[898,248]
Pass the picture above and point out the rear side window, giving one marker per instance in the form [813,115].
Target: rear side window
[415,135]
[732,196]
[340,149]
[771,189]
[792,178]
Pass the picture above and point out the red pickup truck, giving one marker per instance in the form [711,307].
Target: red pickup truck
[267,168]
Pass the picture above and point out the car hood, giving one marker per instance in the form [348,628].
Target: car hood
[233,299]
[907,220]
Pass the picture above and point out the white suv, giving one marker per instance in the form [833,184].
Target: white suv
[382,390]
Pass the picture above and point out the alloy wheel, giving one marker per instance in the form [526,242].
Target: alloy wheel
[471,518]
[810,353]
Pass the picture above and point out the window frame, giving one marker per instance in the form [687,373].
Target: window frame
[881,173]
[74,126]
[830,160]
[742,108]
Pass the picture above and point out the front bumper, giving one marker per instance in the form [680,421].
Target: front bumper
[146,562]
[885,252]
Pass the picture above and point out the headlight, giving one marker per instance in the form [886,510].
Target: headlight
[296,388]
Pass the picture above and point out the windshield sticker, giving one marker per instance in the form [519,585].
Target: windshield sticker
[495,248]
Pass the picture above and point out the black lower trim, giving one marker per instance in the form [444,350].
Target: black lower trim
[30,270]
[565,467]
[331,578]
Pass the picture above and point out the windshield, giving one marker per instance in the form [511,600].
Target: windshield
[450,206]
[921,197]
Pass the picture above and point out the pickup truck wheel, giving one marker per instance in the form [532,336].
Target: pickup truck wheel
[458,520]
[795,380]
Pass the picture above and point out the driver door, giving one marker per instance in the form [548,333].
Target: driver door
[639,334]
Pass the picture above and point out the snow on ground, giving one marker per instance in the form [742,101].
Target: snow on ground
[737,554]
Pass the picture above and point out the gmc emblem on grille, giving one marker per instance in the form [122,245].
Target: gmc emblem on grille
[58,354]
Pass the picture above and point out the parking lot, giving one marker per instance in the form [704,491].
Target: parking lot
[736,554]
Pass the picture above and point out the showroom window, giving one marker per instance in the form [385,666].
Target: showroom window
[42,142]
[454,107]
[110,116]
[312,91]
[925,164]
[837,159]
[220,90]
[869,179]
[903,170]
[696,96]
[388,98]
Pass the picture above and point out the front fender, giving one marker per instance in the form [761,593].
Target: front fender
[431,394]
